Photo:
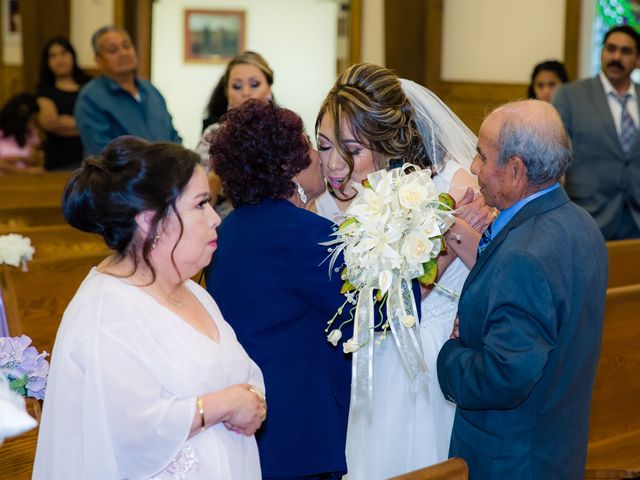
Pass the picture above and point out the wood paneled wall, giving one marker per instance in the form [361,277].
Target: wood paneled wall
[413,30]
[135,17]
[41,20]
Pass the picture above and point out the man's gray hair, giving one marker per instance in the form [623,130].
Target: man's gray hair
[542,143]
[95,38]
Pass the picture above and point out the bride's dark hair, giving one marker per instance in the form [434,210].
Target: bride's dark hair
[370,100]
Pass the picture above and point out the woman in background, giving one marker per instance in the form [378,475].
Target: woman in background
[546,78]
[19,137]
[147,380]
[60,82]
[273,287]
[247,75]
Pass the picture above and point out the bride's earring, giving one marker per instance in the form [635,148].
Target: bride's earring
[301,194]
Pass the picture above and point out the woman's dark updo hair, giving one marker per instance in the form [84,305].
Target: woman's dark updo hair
[130,176]
[257,151]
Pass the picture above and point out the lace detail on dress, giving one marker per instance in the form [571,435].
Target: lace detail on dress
[181,465]
[438,307]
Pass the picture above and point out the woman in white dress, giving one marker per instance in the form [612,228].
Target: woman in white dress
[147,380]
[371,120]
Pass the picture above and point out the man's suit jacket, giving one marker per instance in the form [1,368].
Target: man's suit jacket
[601,178]
[521,373]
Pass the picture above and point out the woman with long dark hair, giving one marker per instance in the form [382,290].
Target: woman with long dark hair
[60,82]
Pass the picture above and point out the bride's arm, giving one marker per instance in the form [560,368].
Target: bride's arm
[472,218]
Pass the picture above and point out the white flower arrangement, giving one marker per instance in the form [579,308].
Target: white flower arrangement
[392,234]
[15,250]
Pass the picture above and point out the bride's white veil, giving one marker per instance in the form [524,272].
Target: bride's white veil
[444,135]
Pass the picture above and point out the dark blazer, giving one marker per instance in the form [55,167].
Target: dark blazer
[601,178]
[272,286]
[531,314]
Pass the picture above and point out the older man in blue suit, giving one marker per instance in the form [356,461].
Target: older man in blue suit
[521,369]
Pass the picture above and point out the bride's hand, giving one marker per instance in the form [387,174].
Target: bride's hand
[473,210]
[455,334]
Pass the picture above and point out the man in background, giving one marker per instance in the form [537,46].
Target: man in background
[117,102]
[601,117]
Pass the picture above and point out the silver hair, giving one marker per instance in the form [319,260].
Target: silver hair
[544,147]
[95,38]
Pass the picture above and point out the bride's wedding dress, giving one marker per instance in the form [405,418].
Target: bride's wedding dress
[407,429]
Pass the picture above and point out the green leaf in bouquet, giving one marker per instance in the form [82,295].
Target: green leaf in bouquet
[18,385]
[446,202]
[347,222]
[430,273]
[347,287]
[440,242]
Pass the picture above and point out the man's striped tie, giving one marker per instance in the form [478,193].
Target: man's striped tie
[485,239]
[628,127]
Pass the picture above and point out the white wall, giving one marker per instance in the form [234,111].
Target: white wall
[500,40]
[86,17]
[372,47]
[587,40]
[296,37]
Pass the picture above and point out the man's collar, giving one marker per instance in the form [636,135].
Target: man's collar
[507,214]
[608,88]
[113,85]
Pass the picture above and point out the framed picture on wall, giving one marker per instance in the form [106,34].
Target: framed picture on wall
[213,36]
[11,22]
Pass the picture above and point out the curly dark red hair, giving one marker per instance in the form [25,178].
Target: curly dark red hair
[257,151]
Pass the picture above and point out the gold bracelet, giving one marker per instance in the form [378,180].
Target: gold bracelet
[256,390]
[200,404]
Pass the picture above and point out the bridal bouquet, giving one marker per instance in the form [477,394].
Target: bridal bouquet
[15,250]
[392,234]
[25,368]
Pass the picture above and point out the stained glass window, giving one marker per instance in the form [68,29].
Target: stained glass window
[608,14]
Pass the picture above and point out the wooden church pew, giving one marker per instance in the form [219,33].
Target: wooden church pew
[614,431]
[28,197]
[17,454]
[62,241]
[12,219]
[35,181]
[624,262]
[35,300]
[452,469]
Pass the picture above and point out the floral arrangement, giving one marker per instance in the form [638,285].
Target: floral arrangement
[15,250]
[24,367]
[392,234]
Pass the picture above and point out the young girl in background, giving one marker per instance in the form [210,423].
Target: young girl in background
[19,137]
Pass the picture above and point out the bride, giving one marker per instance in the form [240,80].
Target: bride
[371,120]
